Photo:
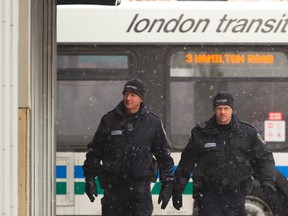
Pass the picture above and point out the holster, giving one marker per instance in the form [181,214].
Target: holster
[247,185]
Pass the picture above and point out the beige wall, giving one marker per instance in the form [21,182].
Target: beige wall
[24,105]
[23,162]
[24,53]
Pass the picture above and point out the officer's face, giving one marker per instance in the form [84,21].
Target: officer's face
[223,114]
[132,102]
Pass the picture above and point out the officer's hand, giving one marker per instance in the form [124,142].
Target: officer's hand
[268,189]
[177,200]
[91,188]
[165,194]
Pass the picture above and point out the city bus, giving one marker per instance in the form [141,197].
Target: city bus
[185,51]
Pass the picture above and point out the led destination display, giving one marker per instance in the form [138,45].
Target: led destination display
[230,58]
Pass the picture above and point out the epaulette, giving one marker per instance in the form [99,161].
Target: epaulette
[246,123]
[109,112]
[153,114]
[201,124]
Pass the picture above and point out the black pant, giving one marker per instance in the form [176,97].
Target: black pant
[229,204]
[129,199]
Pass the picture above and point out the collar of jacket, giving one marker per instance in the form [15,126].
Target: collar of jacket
[212,129]
[120,109]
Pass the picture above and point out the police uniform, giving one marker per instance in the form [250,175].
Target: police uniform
[121,155]
[222,160]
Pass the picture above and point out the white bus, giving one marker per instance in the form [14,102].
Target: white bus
[185,52]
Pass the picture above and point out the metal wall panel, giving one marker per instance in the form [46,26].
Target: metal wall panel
[8,107]
[43,80]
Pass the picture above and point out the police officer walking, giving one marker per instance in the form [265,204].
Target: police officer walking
[222,154]
[129,142]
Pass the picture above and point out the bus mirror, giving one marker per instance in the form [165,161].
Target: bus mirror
[92,2]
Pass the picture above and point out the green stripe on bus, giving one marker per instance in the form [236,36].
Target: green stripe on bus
[79,188]
[61,188]
[156,188]
[188,188]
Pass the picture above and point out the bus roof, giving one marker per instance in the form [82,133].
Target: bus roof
[174,22]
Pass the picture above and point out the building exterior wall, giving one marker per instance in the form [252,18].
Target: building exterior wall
[8,108]
[36,72]
[24,105]
[41,120]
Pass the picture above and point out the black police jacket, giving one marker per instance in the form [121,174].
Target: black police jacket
[123,148]
[226,158]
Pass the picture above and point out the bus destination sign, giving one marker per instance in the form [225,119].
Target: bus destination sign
[229,58]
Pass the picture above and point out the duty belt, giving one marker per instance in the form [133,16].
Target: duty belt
[220,189]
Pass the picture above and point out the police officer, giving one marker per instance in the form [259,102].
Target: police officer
[129,142]
[222,154]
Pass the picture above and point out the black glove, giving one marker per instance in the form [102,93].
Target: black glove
[268,189]
[177,200]
[91,188]
[177,191]
[165,194]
